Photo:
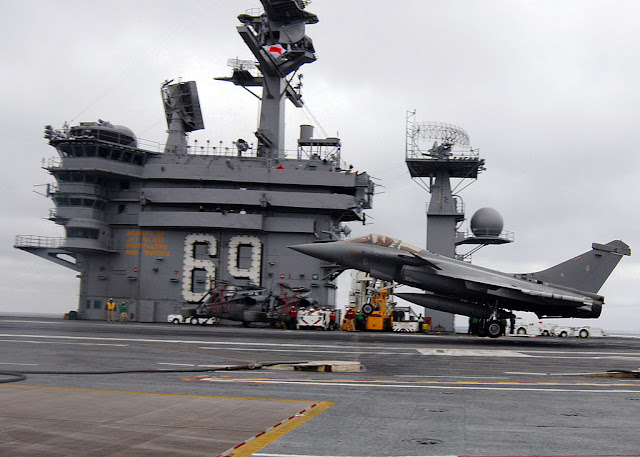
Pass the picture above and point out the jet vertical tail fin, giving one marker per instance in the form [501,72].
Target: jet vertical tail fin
[588,271]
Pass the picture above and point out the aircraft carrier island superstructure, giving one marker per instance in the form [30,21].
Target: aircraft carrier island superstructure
[159,229]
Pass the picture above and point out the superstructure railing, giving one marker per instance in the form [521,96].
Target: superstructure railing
[35,241]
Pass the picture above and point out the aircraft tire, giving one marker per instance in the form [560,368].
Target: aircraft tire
[494,329]
[481,331]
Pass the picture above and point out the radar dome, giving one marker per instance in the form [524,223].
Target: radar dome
[127,136]
[487,222]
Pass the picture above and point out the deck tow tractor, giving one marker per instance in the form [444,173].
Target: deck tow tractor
[373,299]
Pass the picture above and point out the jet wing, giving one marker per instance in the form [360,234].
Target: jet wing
[482,277]
[495,283]
[423,261]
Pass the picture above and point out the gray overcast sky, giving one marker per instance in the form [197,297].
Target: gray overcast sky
[549,91]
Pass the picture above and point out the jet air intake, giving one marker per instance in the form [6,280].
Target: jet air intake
[418,277]
[446,304]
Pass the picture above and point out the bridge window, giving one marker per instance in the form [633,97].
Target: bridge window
[61,201]
[82,232]
[103,152]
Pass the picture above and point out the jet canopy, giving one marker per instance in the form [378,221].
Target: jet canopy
[388,242]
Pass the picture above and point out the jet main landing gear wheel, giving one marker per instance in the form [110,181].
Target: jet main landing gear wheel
[494,328]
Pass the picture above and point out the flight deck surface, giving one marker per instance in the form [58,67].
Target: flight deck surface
[415,395]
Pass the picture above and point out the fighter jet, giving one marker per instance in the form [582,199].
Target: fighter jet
[568,289]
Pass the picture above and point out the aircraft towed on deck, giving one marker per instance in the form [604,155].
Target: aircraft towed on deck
[568,289]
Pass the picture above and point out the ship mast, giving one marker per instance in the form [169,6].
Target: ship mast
[278,41]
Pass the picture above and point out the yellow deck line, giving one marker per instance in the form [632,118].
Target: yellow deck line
[275,433]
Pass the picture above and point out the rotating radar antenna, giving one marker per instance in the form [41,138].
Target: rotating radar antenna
[436,147]
[435,139]
[241,64]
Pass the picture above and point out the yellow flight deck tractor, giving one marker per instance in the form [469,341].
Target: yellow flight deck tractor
[372,308]
[378,315]
[371,301]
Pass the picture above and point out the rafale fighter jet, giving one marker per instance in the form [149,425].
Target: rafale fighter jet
[565,290]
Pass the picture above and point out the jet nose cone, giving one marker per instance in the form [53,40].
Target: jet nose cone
[318,250]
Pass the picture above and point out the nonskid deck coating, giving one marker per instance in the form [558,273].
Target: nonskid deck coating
[85,422]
